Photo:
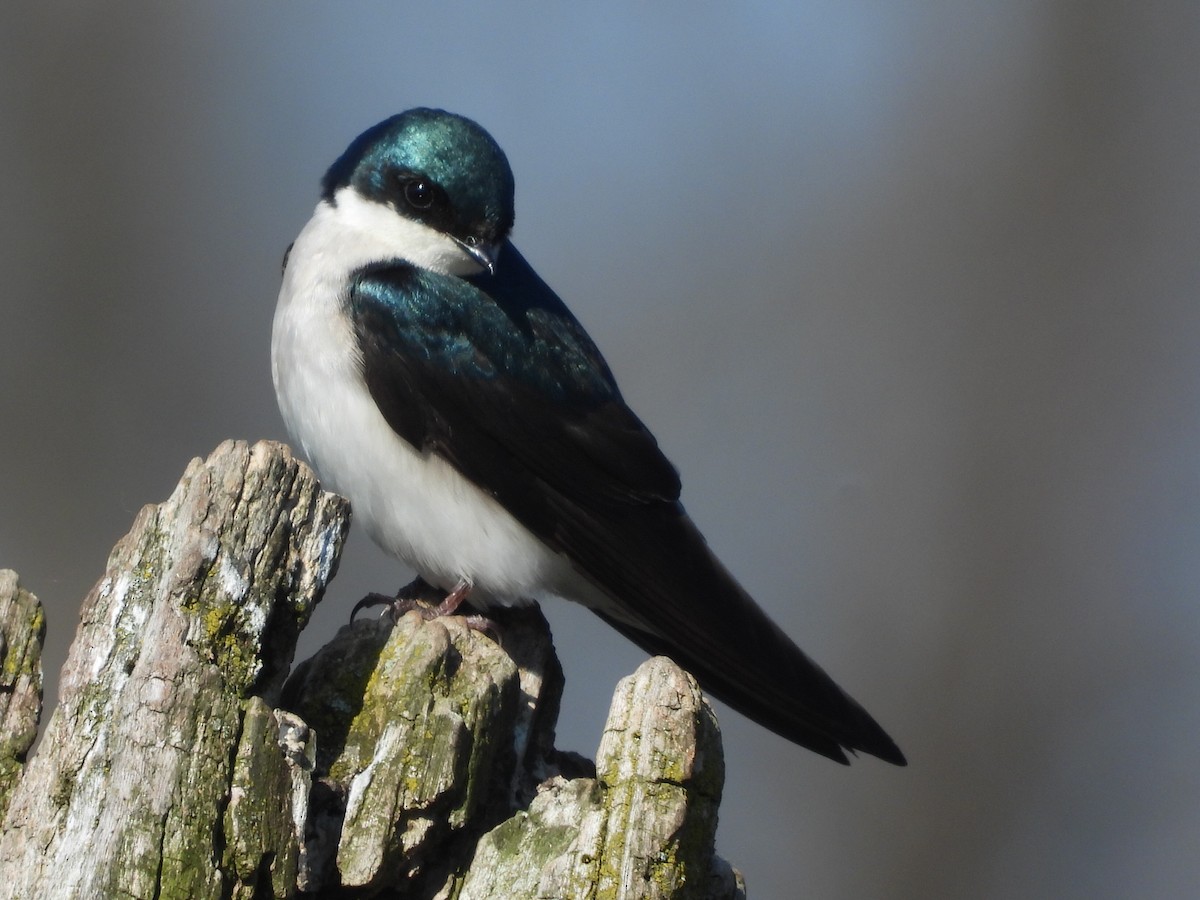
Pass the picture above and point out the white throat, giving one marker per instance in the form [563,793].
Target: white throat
[355,232]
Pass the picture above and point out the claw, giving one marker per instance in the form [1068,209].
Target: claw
[420,596]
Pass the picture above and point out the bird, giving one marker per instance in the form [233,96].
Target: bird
[435,380]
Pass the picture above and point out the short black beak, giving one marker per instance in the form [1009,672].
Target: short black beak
[484,254]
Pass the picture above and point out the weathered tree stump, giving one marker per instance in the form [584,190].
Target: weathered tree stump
[413,760]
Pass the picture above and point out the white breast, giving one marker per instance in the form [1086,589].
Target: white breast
[414,505]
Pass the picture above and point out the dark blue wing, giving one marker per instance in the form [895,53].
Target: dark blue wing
[497,377]
[500,379]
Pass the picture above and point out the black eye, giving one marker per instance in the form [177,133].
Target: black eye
[419,194]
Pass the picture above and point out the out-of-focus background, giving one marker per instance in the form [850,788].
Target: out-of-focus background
[909,293]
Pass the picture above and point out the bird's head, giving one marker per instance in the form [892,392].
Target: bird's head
[436,182]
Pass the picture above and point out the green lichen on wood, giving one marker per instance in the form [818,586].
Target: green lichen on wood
[420,757]
[200,605]
[263,840]
[228,636]
[327,690]
[171,778]
[661,765]
[22,634]
[523,856]
[643,829]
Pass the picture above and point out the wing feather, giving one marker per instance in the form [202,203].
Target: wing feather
[497,377]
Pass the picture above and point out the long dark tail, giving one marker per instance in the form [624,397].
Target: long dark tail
[685,605]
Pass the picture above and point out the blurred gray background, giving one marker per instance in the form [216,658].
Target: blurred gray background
[907,292]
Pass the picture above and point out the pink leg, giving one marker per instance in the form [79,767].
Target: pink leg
[454,599]
[419,595]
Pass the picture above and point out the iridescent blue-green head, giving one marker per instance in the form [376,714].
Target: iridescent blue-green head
[436,168]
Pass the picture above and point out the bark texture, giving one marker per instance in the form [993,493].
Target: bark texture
[22,631]
[410,760]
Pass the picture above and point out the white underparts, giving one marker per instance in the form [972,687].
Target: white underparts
[414,505]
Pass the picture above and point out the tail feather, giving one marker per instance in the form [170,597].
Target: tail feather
[676,599]
[788,694]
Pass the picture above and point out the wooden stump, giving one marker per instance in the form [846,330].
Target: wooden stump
[413,760]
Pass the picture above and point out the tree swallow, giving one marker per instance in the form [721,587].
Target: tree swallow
[436,381]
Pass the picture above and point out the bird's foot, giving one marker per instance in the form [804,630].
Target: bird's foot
[427,601]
